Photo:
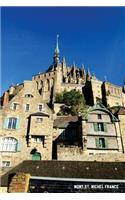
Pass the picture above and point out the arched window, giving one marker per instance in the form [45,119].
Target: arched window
[8,144]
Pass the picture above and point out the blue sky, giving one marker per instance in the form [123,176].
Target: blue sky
[93,36]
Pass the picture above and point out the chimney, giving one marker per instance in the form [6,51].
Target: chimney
[6,99]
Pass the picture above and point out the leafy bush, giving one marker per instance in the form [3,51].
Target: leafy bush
[73,99]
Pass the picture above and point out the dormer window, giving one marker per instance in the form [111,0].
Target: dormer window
[28,95]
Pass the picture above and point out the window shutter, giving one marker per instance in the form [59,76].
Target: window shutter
[106,143]
[17,123]
[95,126]
[19,147]
[5,123]
[97,142]
[105,127]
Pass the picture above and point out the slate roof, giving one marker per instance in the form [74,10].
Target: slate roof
[64,121]
[121,111]
[118,110]
[69,169]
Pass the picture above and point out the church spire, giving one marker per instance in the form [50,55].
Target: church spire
[57,45]
[56,52]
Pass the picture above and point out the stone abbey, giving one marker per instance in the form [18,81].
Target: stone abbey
[31,128]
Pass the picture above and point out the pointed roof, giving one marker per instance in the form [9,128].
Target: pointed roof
[101,107]
[57,45]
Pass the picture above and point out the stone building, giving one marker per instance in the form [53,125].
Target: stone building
[59,77]
[31,130]
[101,131]
[105,92]
[27,127]
[87,137]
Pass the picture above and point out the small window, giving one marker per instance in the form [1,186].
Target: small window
[99,116]
[40,107]
[38,139]
[5,163]
[27,107]
[39,119]
[99,126]
[101,143]
[14,107]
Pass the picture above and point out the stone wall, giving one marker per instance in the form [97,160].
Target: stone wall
[96,90]
[122,129]
[113,94]
[77,154]
[19,183]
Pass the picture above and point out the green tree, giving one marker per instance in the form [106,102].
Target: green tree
[59,98]
[74,100]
